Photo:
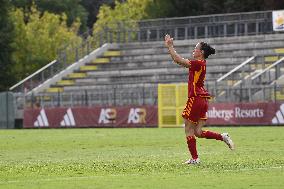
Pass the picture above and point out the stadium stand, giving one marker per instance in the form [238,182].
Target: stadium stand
[128,72]
[134,65]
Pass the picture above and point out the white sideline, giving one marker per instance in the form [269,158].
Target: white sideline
[113,175]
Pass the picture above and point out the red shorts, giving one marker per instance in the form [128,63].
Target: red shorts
[196,108]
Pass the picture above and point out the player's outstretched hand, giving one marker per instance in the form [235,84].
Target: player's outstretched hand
[168,41]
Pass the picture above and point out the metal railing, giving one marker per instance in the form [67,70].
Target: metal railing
[240,74]
[239,67]
[144,96]
[111,96]
[37,78]
[250,93]
[254,71]
[270,73]
[193,27]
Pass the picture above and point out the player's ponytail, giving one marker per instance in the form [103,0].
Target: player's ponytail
[208,50]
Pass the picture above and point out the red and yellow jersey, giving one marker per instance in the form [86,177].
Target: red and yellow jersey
[196,78]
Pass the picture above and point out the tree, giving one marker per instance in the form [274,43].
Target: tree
[179,8]
[72,8]
[38,37]
[123,15]
[6,38]
[159,9]
[92,7]
[273,4]
[231,6]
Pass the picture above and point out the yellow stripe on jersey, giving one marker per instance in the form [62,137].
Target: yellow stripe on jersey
[196,78]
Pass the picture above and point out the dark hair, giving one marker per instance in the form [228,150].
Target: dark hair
[208,50]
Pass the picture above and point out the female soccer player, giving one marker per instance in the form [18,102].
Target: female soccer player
[194,113]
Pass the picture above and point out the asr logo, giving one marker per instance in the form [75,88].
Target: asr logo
[107,115]
[137,115]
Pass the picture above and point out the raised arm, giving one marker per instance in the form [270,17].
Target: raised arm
[175,56]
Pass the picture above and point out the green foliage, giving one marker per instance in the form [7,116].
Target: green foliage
[72,8]
[172,8]
[92,7]
[6,38]
[38,39]
[139,158]
[123,15]
[39,34]
[179,8]
[88,10]
[157,9]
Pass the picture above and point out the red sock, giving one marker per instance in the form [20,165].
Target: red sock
[211,135]
[191,144]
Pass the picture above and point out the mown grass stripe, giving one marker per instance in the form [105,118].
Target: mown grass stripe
[119,175]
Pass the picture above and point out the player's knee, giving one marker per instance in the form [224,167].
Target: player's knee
[198,134]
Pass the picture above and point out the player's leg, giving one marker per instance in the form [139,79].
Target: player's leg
[203,105]
[200,133]
[190,122]
[191,142]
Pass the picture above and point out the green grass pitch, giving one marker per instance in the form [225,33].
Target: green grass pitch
[139,158]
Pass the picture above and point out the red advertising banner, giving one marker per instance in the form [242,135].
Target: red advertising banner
[138,116]
[147,116]
[245,114]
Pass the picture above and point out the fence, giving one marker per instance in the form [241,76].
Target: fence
[105,95]
[248,93]
[115,96]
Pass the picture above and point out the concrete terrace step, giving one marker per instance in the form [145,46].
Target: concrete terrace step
[224,48]
[210,69]
[145,78]
[157,70]
[122,86]
[216,41]
[161,78]
[226,51]
[166,62]
[136,72]
[181,76]
[187,54]
[166,57]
